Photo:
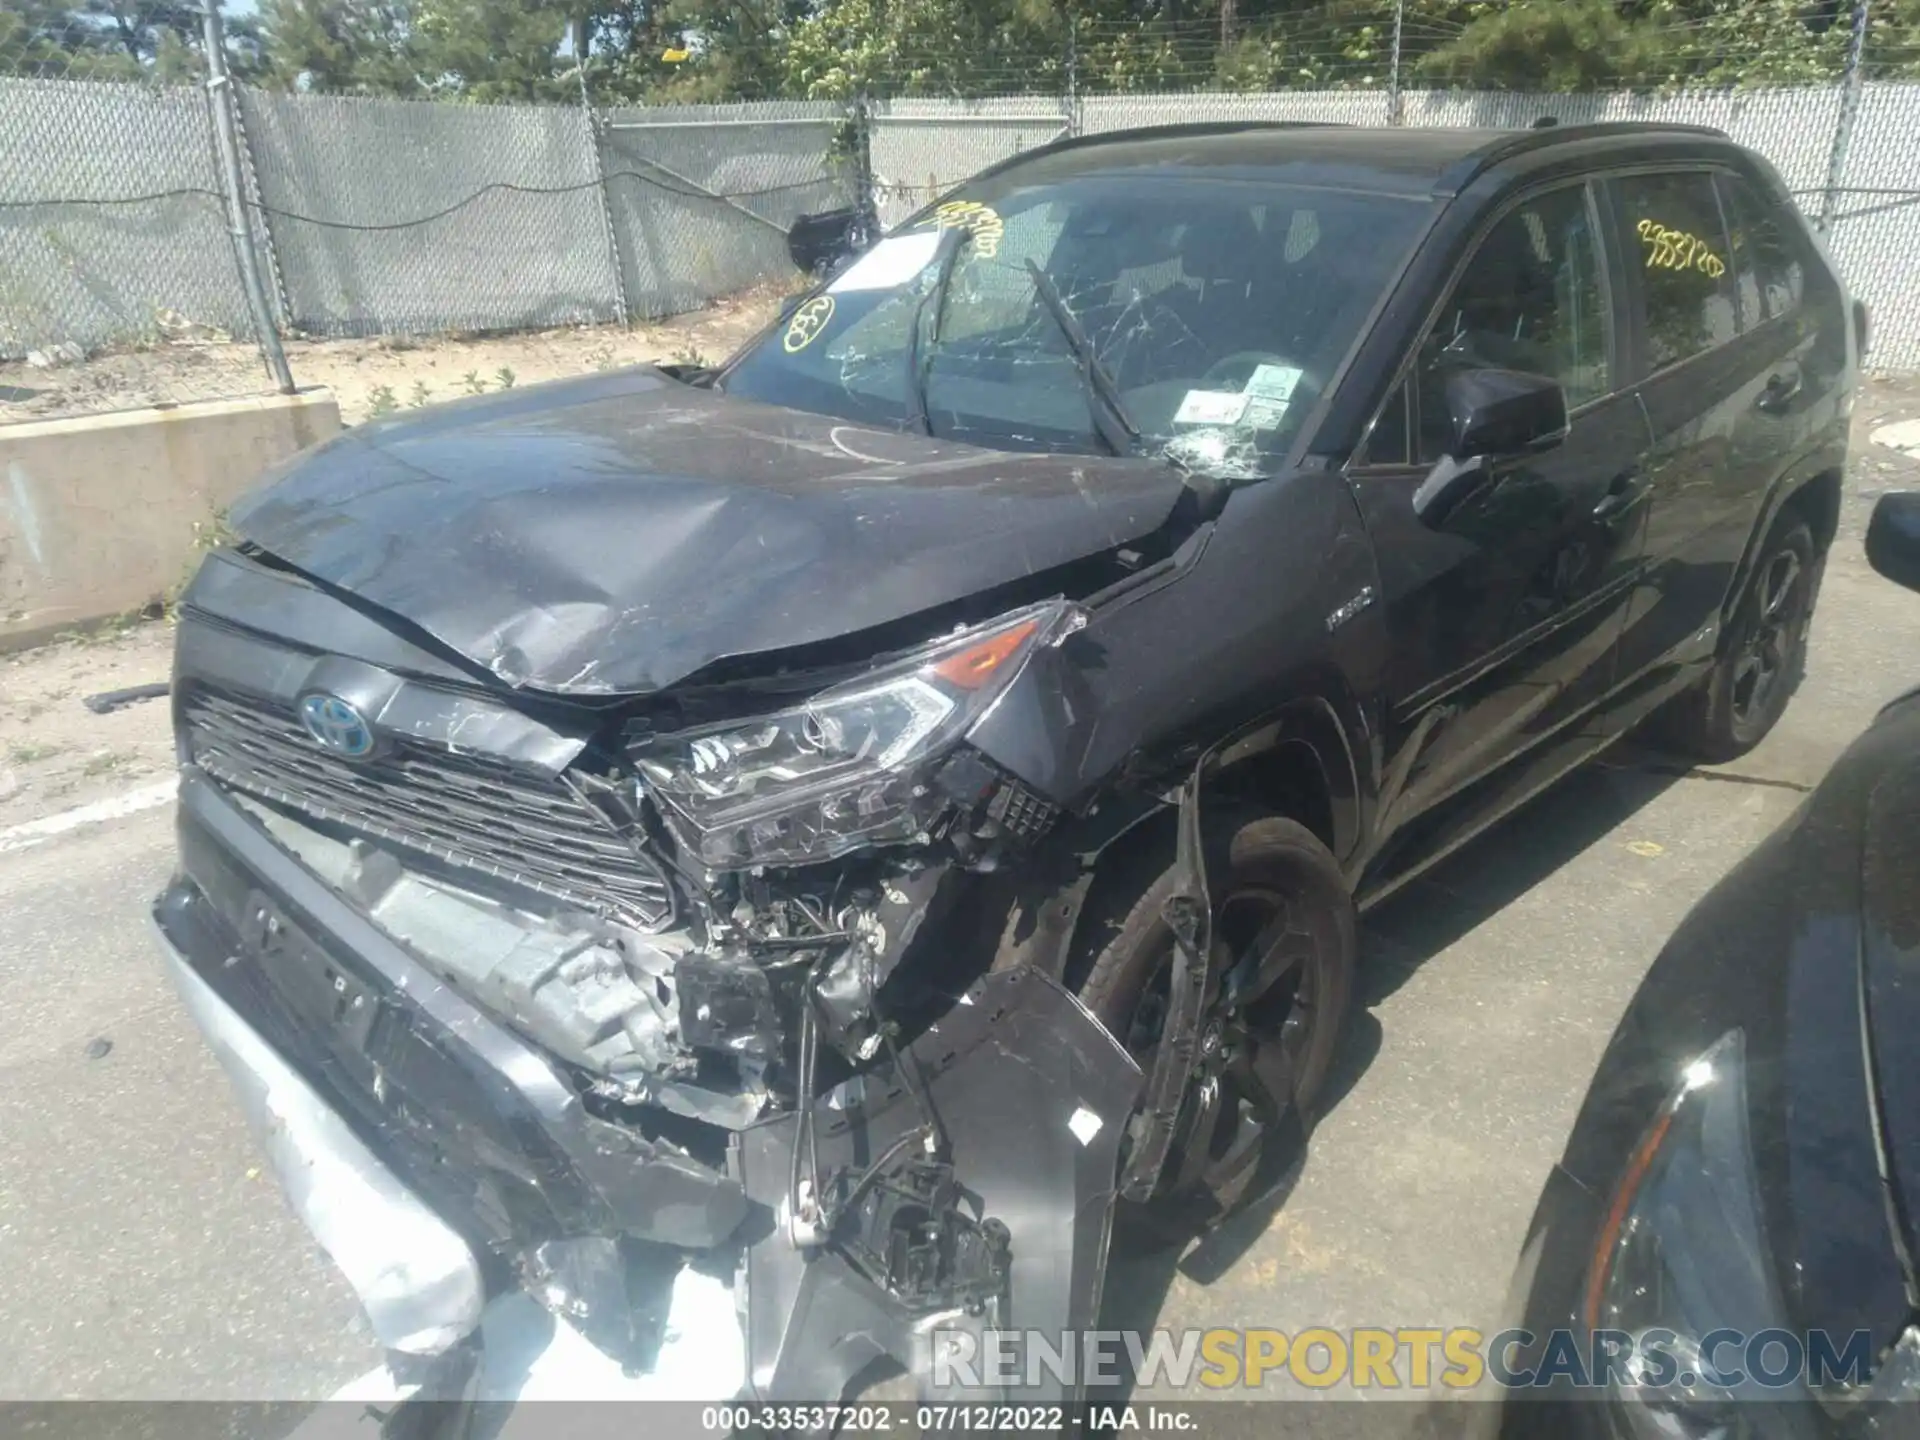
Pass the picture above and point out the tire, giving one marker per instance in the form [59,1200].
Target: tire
[1763,657]
[1115,976]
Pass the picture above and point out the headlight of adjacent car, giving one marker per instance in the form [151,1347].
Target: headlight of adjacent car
[849,767]
[1683,1255]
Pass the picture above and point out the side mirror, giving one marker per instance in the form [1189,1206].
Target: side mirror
[1893,539]
[815,243]
[1496,415]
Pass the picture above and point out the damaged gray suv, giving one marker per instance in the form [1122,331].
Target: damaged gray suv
[844,824]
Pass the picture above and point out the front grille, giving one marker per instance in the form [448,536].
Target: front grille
[466,810]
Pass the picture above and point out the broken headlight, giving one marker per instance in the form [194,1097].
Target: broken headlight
[847,768]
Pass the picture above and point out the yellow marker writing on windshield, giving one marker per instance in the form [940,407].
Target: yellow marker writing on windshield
[983,221]
[807,323]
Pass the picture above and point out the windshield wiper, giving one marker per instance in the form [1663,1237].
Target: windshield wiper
[917,369]
[1110,419]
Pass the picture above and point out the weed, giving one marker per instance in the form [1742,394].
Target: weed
[111,627]
[505,376]
[212,533]
[420,396]
[475,385]
[381,401]
[27,752]
[105,762]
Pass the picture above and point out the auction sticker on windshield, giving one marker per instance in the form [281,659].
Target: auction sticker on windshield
[1211,407]
[1273,382]
[890,264]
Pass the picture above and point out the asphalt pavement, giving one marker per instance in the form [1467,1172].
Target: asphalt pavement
[146,1254]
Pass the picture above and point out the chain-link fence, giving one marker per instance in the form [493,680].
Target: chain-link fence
[122,279]
[381,214]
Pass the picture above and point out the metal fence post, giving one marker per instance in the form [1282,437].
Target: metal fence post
[596,140]
[1393,64]
[220,99]
[866,206]
[1849,107]
[1073,74]
[275,277]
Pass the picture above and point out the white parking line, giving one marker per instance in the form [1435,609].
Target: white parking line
[130,802]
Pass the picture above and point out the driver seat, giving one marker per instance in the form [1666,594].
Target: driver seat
[1221,254]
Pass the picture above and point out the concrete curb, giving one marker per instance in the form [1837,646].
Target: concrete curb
[97,513]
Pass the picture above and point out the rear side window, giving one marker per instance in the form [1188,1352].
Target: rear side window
[1771,275]
[1680,248]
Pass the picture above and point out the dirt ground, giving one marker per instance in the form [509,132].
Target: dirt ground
[371,375]
[55,753]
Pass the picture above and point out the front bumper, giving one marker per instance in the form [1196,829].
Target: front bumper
[435,1154]
[418,1280]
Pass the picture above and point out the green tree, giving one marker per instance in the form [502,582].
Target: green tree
[345,47]
[492,50]
[1540,45]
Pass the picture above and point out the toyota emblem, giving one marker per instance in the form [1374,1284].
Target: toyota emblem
[336,725]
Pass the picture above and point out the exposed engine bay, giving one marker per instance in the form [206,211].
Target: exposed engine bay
[730,939]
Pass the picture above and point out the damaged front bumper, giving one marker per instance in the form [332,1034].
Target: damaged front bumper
[443,1161]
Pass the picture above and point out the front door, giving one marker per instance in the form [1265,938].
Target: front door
[1505,619]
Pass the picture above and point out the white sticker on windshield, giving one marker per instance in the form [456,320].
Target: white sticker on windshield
[1264,414]
[1211,407]
[890,264]
[1273,382]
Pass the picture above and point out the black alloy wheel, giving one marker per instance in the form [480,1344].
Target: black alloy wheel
[1762,655]
[1284,938]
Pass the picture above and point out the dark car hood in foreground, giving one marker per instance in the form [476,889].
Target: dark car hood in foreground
[1780,949]
[616,533]
[1890,950]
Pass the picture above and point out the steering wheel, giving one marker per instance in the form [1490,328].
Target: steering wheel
[1231,372]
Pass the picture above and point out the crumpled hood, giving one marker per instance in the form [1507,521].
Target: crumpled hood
[614,534]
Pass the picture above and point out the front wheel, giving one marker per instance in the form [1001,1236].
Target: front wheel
[1285,942]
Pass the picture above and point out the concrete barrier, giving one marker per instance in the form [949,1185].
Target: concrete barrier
[97,514]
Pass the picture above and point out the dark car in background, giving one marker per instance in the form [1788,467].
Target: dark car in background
[1747,1160]
[637,818]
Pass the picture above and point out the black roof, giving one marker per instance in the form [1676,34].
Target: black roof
[1415,161]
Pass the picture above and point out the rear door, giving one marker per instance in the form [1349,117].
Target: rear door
[1504,621]
[1708,357]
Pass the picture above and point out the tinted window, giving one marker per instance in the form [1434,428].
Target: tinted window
[1765,256]
[1742,260]
[1674,230]
[1531,298]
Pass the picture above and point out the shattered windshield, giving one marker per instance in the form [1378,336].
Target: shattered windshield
[1193,317]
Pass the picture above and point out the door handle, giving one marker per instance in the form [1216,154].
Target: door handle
[1781,387]
[1624,492]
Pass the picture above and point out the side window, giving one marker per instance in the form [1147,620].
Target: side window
[1743,261]
[1778,275]
[1531,298]
[1673,227]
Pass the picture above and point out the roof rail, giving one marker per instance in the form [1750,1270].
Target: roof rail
[1468,168]
[1154,132]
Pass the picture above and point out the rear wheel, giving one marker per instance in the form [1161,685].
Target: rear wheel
[1284,937]
[1747,690]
